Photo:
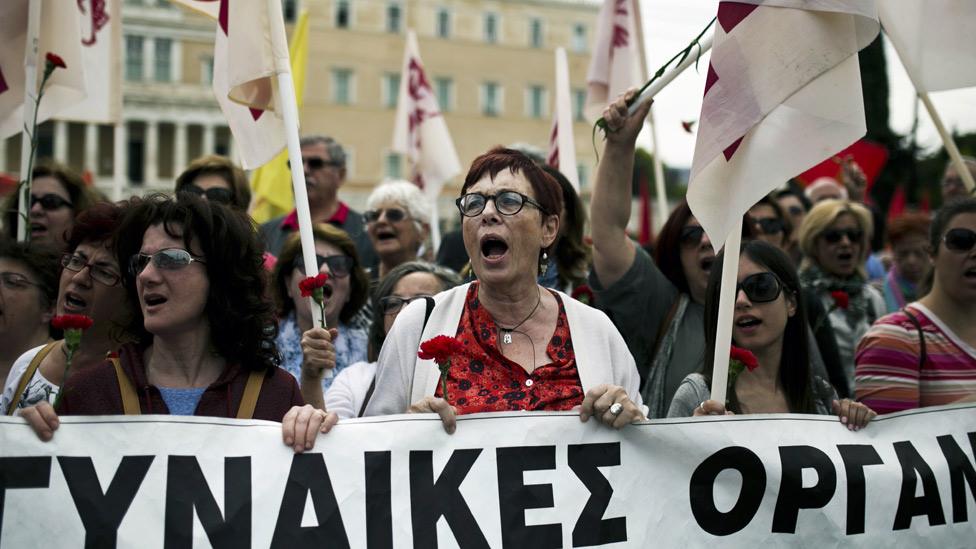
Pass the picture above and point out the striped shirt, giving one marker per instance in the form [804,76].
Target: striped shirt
[889,376]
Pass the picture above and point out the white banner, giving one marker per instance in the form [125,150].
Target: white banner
[502,480]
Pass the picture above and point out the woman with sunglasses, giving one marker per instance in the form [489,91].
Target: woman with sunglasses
[216,178]
[398,223]
[346,292]
[28,291]
[205,343]
[835,240]
[925,354]
[90,284]
[769,321]
[769,223]
[57,195]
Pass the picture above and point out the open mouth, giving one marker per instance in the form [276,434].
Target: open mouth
[706,264]
[748,322]
[493,247]
[327,291]
[383,235]
[845,256]
[970,273]
[74,302]
[38,228]
[152,300]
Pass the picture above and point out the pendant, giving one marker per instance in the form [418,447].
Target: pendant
[507,337]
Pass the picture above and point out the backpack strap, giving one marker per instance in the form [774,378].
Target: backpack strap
[250,398]
[372,384]
[28,375]
[923,356]
[130,399]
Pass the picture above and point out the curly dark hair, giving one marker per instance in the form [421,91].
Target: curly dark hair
[242,325]
[97,224]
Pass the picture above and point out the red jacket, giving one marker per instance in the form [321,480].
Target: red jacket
[95,391]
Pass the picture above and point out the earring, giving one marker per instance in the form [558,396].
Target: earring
[544,264]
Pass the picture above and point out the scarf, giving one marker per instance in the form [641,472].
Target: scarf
[858,305]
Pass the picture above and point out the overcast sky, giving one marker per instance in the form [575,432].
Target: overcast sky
[670,24]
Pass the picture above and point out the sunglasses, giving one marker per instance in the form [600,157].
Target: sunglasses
[170,259]
[692,234]
[98,273]
[49,201]
[392,304]
[339,265]
[393,215]
[316,163]
[833,236]
[760,287]
[506,203]
[769,225]
[960,240]
[214,194]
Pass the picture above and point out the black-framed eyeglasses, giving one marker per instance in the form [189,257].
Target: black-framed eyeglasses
[833,236]
[960,239]
[339,265]
[98,273]
[393,215]
[760,287]
[215,194]
[16,281]
[49,201]
[692,235]
[170,259]
[317,163]
[769,225]
[506,203]
[391,304]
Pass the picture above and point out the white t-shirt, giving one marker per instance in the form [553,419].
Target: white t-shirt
[37,389]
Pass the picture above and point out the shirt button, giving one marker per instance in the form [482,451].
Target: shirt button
[528,382]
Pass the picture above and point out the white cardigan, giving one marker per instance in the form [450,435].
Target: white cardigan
[402,378]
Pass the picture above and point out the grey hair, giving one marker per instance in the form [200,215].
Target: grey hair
[403,193]
[335,150]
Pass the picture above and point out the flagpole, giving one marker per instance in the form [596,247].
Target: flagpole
[950,145]
[726,308]
[668,77]
[28,138]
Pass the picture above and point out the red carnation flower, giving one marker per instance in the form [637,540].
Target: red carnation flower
[441,349]
[841,298]
[55,60]
[73,326]
[744,356]
[309,284]
[583,294]
[71,322]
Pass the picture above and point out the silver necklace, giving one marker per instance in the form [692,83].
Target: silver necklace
[507,332]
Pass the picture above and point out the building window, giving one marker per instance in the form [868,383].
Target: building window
[164,60]
[443,23]
[393,17]
[133,58]
[535,33]
[579,37]
[393,165]
[579,101]
[391,90]
[491,28]
[445,92]
[490,99]
[206,70]
[342,86]
[535,101]
[343,14]
[289,10]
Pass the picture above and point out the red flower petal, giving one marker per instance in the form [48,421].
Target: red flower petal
[55,59]
[841,298]
[71,322]
[745,357]
[309,284]
[440,348]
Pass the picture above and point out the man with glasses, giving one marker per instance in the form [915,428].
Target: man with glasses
[325,171]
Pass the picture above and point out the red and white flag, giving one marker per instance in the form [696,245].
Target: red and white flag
[101,40]
[60,34]
[562,145]
[935,38]
[250,51]
[782,93]
[420,131]
[615,63]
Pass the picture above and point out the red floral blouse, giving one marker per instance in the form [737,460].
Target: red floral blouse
[485,381]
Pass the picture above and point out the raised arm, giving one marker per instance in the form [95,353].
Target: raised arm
[613,251]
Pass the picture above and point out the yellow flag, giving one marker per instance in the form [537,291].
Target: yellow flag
[271,183]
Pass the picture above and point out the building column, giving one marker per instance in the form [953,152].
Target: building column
[91,149]
[179,147]
[151,156]
[61,141]
[3,154]
[148,59]
[120,163]
[209,138]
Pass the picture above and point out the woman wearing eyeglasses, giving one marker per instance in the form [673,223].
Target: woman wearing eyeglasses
[398,223]
[90,284]
[769,223]
[835,240]
[57,195]
[216,178]
[925,354]
[205,332]
[770,321]
[346,292]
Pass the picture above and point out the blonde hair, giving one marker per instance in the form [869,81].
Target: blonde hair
[823,215]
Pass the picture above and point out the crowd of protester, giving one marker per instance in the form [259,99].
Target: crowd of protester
[198,310]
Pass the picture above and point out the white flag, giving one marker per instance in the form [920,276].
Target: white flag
[101,40]
[420,131]
[59,34]
[782,93]
[615,63]
[562,145]
[938,40]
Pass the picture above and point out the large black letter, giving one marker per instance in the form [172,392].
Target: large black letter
[591,528]
[102,513]
[429,500]
[22,472]
[792,495]
[309,474]
[856,457]
[186,489]
[960,470]
[709,518]
[514,496]
[909,506]
[379,501]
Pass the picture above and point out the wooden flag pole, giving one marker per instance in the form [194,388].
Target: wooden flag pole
[726,310]
[28,138]
[668,77]
[659,191]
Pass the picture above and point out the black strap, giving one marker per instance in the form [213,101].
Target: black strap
[372,384]
[921,337]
